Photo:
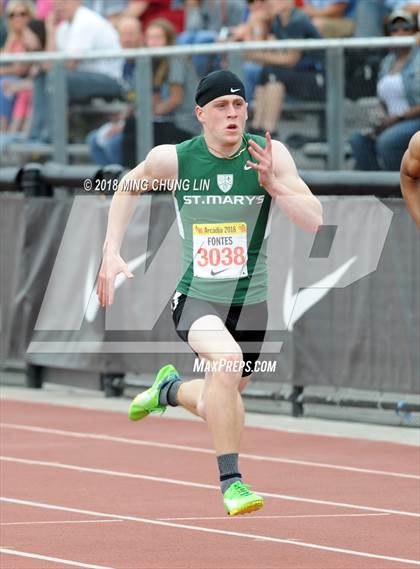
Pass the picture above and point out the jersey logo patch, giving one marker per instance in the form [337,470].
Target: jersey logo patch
[225,182]
[214,273]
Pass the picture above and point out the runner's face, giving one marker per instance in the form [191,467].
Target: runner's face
[224,118]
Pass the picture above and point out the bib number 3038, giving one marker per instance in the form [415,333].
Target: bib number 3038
[220,250]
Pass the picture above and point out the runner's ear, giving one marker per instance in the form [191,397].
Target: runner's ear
[199,114]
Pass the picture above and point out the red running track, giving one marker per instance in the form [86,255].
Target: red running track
[87,488]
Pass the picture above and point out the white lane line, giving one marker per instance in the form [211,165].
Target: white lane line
[120,474]
[61,522]
[7,551]
[212,531]
[101,437]
[257,517]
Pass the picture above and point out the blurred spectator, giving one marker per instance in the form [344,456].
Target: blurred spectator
[112,10]
[219,14]
[256,25]
[3,27]
[382,146]
[149,10]
[255,28]
[333,18]
[174,83]
[361,64]
[21,88]
[106,142]
[294,73]
[131,37]
[80,30]
[19,13]
[369,18]
[193,20]
[217,17]
[43,8]
[410,6]
[173,100]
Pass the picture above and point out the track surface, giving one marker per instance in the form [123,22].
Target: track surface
[90,489]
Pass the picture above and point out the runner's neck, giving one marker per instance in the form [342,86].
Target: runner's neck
[234,153]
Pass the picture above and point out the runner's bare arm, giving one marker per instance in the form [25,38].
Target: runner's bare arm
[160,163]
[410,178]
[278,175]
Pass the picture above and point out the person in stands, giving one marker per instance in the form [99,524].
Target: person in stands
[381,147]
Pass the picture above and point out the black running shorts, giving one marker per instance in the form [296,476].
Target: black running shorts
[186,310]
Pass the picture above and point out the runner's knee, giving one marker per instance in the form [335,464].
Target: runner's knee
[229,373]
[232,363]
[234,357]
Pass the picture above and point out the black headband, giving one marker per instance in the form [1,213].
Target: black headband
[217,84]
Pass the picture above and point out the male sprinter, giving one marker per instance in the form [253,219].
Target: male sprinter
[219,306]
[410,177]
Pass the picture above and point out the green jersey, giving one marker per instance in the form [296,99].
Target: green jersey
[222,215]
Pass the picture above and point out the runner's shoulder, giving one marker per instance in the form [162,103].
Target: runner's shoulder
[194,144]
[410,165]
[414,145]
[283,161]
[162,162]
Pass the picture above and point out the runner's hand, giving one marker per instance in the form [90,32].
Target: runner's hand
[264,164]
[112,265]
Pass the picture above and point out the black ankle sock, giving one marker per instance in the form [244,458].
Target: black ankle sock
[228,468]
[169,393]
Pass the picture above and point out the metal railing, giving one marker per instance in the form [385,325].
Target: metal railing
[335,82]
[39,180]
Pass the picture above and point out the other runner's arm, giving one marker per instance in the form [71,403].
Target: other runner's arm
[160,163]
[410,178]
[277,173]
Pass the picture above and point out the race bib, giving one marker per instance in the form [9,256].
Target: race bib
[220,250]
